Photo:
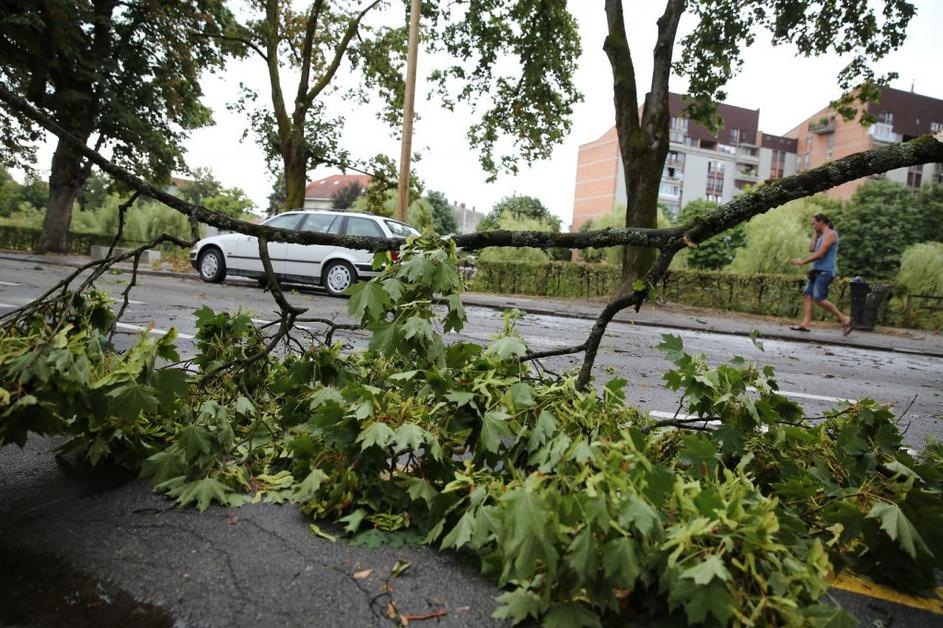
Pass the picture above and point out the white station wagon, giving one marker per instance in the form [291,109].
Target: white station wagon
[334,267]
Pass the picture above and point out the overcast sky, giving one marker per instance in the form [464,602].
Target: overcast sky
[785,88]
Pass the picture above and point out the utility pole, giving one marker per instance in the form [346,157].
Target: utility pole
[408,101]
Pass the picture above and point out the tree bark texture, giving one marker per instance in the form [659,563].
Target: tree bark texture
[65,178]
[643,136]
[76,104]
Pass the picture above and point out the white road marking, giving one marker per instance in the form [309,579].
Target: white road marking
[154,330]
[9,283]
[799,395]
[6,305]
[130,302]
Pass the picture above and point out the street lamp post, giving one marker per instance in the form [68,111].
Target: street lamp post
[408,101]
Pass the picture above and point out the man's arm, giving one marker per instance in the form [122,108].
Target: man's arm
[827,240]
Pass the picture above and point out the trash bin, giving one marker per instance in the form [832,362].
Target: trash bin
[866,301]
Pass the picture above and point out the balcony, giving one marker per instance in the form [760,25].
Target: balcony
[748,174]
[884,132]
[822,126]
[748,154]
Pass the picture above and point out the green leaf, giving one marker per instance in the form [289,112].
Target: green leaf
[202,492]
[620,560]
[244,406]
[582,557]
[368,301]
[316,529]
[571,615]
[327,395]
[699,453]
[494,426]
[522,396]
[672,347]
[518,605]
[377,433]
[897,526]
[507,348]
[707,570]
[308,487]
[194,438]
[460,397]
[526,530]
[353,520]
[460,535]
[409,436]
[128,401]
[637,512]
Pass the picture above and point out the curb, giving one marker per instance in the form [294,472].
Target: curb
[124,267]
[472,300]
[723,332]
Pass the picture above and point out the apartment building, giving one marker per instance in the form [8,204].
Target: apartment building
[700,164]
[901,116]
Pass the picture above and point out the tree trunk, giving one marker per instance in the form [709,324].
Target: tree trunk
[65,178]
[296,179]
[642,177]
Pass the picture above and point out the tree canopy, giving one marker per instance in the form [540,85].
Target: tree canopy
[711,55]
[123,73]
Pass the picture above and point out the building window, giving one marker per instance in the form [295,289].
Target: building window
[808,140]
[936,126]
[670,190]
[715,179]
[886,117]
[914,177]
[777,167]
[828,149]
[675,158]
[678,130]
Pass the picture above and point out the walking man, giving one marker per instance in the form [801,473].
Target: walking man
[824,249]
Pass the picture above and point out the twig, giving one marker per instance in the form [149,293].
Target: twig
[907,409]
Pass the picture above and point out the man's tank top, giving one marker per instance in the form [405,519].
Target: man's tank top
[827,263]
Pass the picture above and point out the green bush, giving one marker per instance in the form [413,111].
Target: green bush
[779,235]
[758,293]
[921,269]
[714,253]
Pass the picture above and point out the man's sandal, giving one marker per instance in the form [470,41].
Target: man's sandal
[799,328]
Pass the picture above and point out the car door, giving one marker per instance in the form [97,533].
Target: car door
[362,226]
[303,261]
[245,253]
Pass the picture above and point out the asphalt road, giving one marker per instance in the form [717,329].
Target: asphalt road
[818,376]
[100,550]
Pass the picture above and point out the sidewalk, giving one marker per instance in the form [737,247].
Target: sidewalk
[910,341]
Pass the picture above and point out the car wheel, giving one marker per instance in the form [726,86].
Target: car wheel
[337,277]
[212,265]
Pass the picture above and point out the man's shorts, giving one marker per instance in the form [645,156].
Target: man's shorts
[817,288]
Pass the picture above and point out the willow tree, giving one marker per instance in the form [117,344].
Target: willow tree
[511,61]
[712,54]
[121,75]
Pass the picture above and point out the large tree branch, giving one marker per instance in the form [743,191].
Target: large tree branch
[311,25]
[764,197]
[656,104]
[339,53]
[625,92]
[275,82]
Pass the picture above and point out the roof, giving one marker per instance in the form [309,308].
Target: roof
[745,120]
[913,113]
[328,186]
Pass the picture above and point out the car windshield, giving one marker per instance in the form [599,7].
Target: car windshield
[400,229]
[283,221]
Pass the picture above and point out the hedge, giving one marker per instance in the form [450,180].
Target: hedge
[80,243]
[775,295]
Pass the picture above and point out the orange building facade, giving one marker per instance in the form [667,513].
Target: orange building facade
[901,116]
[716,167]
